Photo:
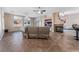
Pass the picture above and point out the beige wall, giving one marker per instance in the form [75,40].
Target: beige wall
[56,18]
[8,21]
[9,18]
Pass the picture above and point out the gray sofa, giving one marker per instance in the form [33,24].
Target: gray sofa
[37,32]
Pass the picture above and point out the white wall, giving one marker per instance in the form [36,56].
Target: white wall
[72,19]
[1,23]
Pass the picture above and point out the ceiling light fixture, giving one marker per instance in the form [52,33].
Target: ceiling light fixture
[39,10]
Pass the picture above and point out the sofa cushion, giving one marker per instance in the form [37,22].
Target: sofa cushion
[33,36]
[43,30]
[32,30]
[43,36]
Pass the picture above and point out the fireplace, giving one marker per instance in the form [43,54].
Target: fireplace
[58,28]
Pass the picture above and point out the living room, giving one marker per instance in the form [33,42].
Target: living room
[38,29]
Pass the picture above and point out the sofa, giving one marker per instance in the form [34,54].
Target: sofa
[37,32]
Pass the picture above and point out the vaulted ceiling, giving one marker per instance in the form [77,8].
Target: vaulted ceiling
[28,11]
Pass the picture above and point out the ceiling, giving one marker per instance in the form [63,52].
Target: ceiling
[28,11]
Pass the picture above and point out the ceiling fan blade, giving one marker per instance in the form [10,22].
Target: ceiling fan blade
[35,10]
[44,10]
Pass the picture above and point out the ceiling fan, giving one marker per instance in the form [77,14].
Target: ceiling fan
[39,10]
